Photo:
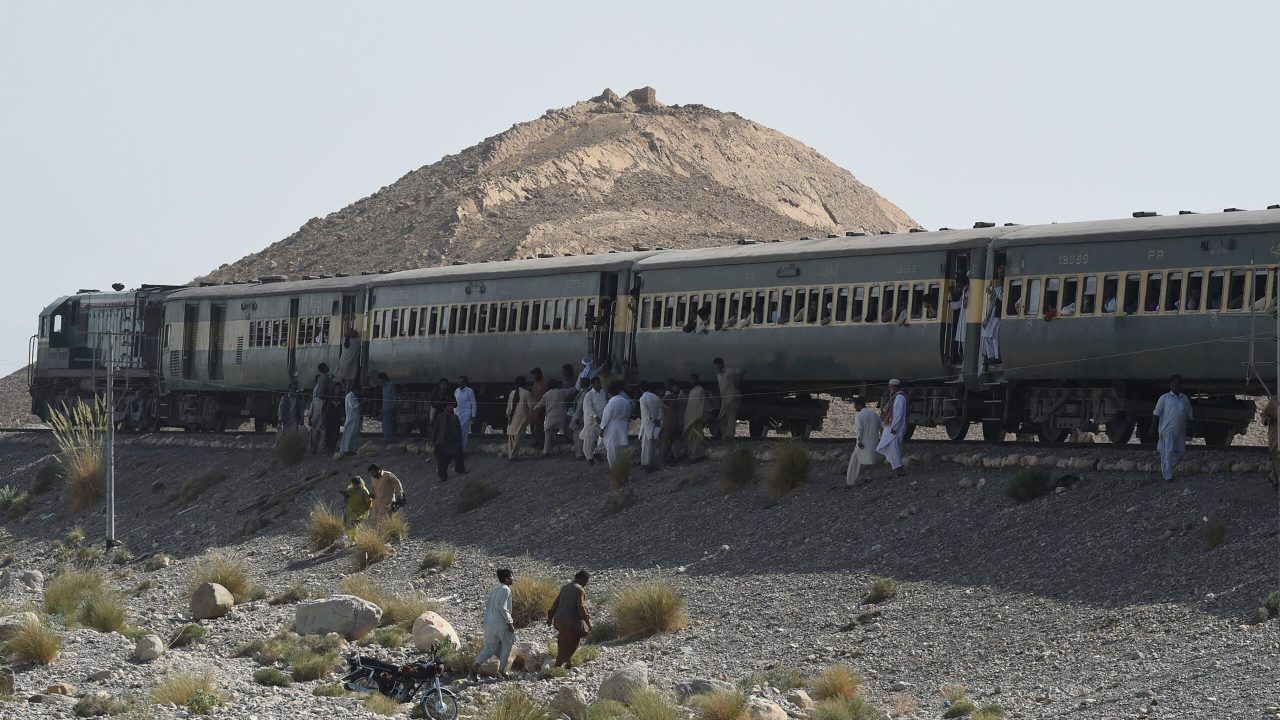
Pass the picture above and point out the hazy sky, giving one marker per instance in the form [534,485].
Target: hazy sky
[151,142]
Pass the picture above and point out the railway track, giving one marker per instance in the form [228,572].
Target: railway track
[939,446]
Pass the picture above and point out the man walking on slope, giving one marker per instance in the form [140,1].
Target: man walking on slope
[866,428]
[499,627]
[730,380]
[1171,417]
[615,421]
[695,420]
[893,425]
[650,417]
[592,408]
[568,615]
[465,398]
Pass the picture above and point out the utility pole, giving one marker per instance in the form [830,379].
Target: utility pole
[111,441]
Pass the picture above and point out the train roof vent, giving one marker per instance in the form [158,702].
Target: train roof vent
[1186,212]
[325,276]
[832,235]
[1011,224]
[916,230]
[941,229]
[611,252]
[1145,213]
[271,278]
[83,291]
[341,275]
[641,248]
[855,233]
[1232,210]
[206,283]
[309,277]
[745,241]
[1273,207]
[982,224]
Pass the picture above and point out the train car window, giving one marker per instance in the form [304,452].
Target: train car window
[473,318]
[1195,292]
[682,310]
[523,325]
[461,313]
[773,306]
[433,320]
[886,304]
[746,313]
[324,335]
[1013,299]
[1033,297]
[557,318]
[799,306]
[722,302]
[482,318]
[784,309]
[828,305]
[304,331]
[1070,296]
[252,330]
[931,297]
[1173,292]
[842,304]
[493,317]
[735,302]
[917,301]
[1259,290]
[1052,290]
[583,313]
[1110,293]
[1235,290]
[1213,296]
[1151,301]
[856,307]
[591,313]
[1089,298]
[504,311]
[411,326]
[1132,288]
[646,305]
[262,333]
[873,304]
[904,298]
[535,315]
[284,333]
[395,324]
[669,311]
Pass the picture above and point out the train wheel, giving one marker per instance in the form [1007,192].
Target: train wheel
[1217,435]
[957,429]
[802,428]
[1146,434]
[757,428]
[259,424]
[1121,432]
[1050,434]
[992,431]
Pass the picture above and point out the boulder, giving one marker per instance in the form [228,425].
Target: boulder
[760,709]
[567,702]
[21,581]
[211,600]
[528,654]
[346,615]
[624,683]
[149,648]
[10,625]
[430,629]
[686,689]
[60,689]
[100,675]
[800,699]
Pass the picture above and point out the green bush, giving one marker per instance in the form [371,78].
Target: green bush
[19,505]
[960,708]
[882,589]
[1215,532]
[291,448]
[64,594]
[620,471]
[187,635]
[721,705]
[1272,603]
[329,690]
[618,500]
[845,708]
[296,592]
[737,469]
[648,704]
[790,468]
[439,557]
[1028,484]
[514,704]
[606,710]
[988,712]
[475,492]
[121,556]
[837,681]
[103,610]
[388,637]
[783,678]
[272,677]
[100,704]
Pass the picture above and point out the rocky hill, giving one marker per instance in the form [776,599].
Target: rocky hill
[606,173]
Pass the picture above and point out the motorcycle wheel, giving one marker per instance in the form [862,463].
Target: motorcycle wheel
[439,705]
[364,682]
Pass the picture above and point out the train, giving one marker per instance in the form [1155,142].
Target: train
[1019,329]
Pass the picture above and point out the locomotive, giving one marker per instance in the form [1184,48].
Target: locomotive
[1084,323]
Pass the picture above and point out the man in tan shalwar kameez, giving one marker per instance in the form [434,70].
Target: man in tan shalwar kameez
[387,489]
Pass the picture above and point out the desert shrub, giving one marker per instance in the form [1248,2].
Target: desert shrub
[19,505]
[953,692]
[1215,532]
[187,635]
[7,494]
[272,677]
[388,637]
[121,556]
[837,681]
[1028,484]
[204,703]
[142,587]
[721,705]
[882,589]
[311,665]
[49,475]
[87,556]
[182,689]
[397,608]
[475,492]
[738,468]
[81,433]
[790,468]
[648,609]
[603,630]
[380,704]
[618,500]
[1272,603]
[585,653]
[74,537]
[296,592]
[291,448]
[988,712]
[64,594]
[392,527]
[157,562]
[606,710]
[103,610]
[100,704]
[620,472]
[324,526]
[514,704]
[845,708]
[904,704]
[531,598]
[192,489]
[33,643]
[649,704]
[329,690]
[438,557]
[458,660]
[783,678]
[223,570]
[960,708]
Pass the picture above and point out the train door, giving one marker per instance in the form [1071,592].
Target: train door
[954,307]
[292,337]
[600,323]
[217,328]
[190,317]
[348,314]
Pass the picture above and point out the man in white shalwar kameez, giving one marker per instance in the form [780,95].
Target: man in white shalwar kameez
[650,416]
[351,424]
[991,320]
[893,426]
[465,397]
[866,430]
[592,408]
[1171,417]
[614,422]
[499,627]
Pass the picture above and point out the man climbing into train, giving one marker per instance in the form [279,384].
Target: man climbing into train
[1170,418]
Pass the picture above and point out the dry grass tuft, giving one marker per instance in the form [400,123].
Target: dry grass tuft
[64,594]
[33,643]
[531,598]
[103,610]
[606,710]
[953,692]
[618,500]
[397,608]
[223,570]
[380,704]
[392,527]
[182,689]
[291,448]
[514,704]
[368,548]
[837,681]
[882,589]
[81,434]
[440,557]
[192,489]
[648,609]
[721,705]
[620,473]
[988,712]
[296,592]
[475,492]
[904,703]
[851,708]
[648,704]
[738,468]
[324,526]
[790,468]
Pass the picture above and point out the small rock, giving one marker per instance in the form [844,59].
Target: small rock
[149,648]
[60,689]
[567,701]
[899,686]
[100,675]
[800,699]
[761,709]
[22,580]
[10,625]
[1059,490]
[621,685]
[982,482]
[210,600]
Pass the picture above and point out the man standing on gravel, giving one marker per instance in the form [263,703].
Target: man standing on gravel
[499,627]
[446,434]
[730,380]
[568,615]
[1170,418]
[615,421]
[894,427]
[866,429]
[351,424]
[650,417]
[465,398]
[592,408]
[321,391]
[387,489]
[695,408]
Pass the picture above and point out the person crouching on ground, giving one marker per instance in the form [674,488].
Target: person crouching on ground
[499,627]
[359,500]
[387,490]
[568,615]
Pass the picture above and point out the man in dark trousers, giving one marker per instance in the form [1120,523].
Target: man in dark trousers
[568,615]
[446,433]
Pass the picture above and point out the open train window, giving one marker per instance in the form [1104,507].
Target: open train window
[669,311]
[494,309]
[646,308]
[1195,292]
[917,301]
[842,305]
[481,316]
[655,313]
[828,305]
[1173,292]
[1013,299]
[721,304]
[682,310]
[735,305]
[931,296]
[284,333]
[395,324]
[1132,290]
[784,311]
[535,315]
[1052,290]
[1151,301]
[377,324]
[1235,290]
[1070,296]
[798,306]
[773,306]
[761,304]
[855,309]
[886,304]
[520,322]
[1089,298]
[1033,297]
[1259,292]
[505,312]
[1110,293]
[873,304]
[411,327]
[747,309]
[1213,296]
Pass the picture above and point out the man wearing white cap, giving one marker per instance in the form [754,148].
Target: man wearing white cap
[893,421]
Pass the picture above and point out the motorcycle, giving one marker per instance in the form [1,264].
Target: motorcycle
[402,683]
